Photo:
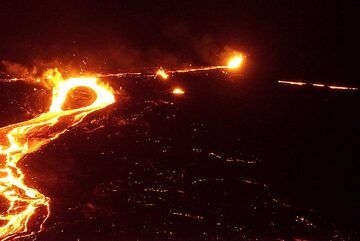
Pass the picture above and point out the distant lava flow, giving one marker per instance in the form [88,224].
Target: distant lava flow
[27,209]
[317,85]
[234,63]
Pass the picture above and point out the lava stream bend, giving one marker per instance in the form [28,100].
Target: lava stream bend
[27,208]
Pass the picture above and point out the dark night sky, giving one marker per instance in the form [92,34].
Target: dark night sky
[284,39]
[308,139]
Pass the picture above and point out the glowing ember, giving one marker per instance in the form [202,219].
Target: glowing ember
[22,138]
[235,62]
[178,91]
[161,72]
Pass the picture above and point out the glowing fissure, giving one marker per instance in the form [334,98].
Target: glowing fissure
[27,208]
[234,63]
[318,85]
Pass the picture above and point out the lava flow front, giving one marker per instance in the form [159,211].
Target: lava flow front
[27,209]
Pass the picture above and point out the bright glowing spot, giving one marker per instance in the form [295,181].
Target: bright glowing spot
[178,91]
[235,62]
[161,72]
[318,85]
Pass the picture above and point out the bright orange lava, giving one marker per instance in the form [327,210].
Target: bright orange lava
[161,72]
[27,208]
[235,62]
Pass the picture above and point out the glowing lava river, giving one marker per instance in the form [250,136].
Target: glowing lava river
[27,209]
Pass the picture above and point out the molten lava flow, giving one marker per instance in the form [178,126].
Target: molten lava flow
[234,63]
[27,208]
[334,87]
[318,85]
[291,82]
